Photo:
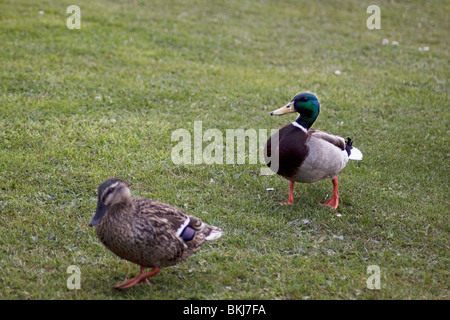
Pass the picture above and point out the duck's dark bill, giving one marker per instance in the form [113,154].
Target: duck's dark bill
[283,110]
[101,209]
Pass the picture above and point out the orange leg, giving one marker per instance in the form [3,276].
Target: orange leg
[291,193]
[142,276]
[334,201]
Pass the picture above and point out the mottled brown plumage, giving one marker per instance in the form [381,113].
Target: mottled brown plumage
[149,233]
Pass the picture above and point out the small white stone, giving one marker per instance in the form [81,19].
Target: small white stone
[338,237]
[305,221]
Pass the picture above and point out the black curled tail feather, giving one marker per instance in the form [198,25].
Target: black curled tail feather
[348,146]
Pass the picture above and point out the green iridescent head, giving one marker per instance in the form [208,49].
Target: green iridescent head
[306,104]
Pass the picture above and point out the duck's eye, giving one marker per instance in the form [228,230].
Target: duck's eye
[304,99]
[105,195]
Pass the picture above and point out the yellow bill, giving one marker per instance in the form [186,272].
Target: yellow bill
[289,108]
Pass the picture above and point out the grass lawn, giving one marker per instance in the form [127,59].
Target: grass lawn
[79,106]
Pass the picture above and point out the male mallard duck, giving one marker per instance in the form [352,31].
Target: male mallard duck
[307,155]
[147,232]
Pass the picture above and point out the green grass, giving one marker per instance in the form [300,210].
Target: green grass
[79,106]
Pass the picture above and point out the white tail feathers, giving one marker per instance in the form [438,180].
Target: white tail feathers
[216,233]
[355,154]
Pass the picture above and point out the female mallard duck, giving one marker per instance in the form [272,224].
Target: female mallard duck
[302,154]
[147,232]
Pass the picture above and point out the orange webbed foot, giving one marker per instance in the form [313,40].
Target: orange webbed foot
[142,276]
[334,201]
[291,194]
